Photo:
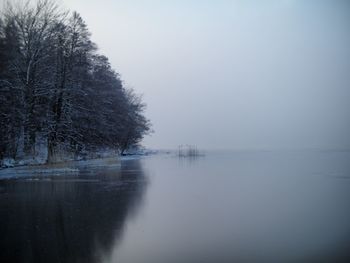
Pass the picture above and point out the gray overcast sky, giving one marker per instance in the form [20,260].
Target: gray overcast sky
[232,74]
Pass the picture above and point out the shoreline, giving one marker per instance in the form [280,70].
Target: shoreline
[63,168]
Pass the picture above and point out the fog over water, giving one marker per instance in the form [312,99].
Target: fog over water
[232,74]
[224,207]
[260,87]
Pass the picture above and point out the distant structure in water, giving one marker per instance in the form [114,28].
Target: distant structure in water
[188,151]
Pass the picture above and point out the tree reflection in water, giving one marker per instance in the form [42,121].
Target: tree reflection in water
[70,218]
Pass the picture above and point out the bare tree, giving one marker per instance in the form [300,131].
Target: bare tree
[55,87]
[35,25]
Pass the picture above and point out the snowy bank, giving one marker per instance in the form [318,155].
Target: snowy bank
[63,168]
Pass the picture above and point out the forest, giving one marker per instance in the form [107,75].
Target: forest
[57,92]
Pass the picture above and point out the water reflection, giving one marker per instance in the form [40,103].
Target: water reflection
[68,219]
[226,207]
[245,207]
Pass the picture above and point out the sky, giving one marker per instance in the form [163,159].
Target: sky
[232,74]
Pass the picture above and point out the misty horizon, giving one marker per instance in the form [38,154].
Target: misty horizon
[155,131]
[235,75]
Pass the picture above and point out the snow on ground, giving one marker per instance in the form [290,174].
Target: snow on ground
[25,169]
[8,162]
[64,168]
[28,171]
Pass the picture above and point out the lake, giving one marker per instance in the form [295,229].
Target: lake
[223,207]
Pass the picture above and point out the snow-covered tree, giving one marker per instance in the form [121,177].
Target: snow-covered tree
[54,86]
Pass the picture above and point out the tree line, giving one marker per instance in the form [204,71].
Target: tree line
[56,88]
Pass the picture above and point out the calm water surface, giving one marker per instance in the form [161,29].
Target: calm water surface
[224,207]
